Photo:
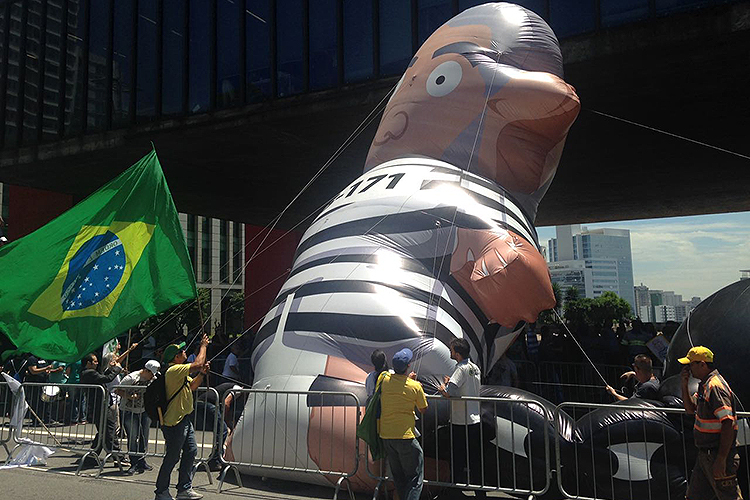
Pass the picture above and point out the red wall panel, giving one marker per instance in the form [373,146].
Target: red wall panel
[267,271]
[29,209]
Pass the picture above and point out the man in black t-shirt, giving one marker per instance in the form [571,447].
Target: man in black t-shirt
[207,405]
[647,386]
[38,370]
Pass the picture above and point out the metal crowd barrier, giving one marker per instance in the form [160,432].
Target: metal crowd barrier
[509,451]
[54,410]
[206,421]
[6,407]
[275,434]
[50,418]
[633,452]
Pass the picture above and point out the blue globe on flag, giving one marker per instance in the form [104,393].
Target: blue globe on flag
[93,272]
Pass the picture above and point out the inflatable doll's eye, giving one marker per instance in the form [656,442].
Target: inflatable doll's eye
[444,79]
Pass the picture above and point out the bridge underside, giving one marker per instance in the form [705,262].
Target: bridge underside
[687,75]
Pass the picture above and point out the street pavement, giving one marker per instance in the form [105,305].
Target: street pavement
[57,480]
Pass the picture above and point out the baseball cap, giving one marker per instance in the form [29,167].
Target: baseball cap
[171,351]
[402,359]
[153,366]
[698,353]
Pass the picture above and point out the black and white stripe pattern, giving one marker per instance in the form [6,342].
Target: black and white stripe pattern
[373,268]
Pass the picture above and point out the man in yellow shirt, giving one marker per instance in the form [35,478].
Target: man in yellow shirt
[179,435]
[399,395]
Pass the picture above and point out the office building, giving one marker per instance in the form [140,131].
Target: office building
[217,251]
[605,251]
[572,274]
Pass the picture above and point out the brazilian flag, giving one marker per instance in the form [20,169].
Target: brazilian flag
[105,265]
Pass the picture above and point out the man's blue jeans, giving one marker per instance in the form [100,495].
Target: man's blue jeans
[407,465]
[136,425]
[178,438]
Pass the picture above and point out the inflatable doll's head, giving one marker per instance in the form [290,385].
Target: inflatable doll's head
[485,93]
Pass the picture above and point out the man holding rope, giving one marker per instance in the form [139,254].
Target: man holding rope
[177,428]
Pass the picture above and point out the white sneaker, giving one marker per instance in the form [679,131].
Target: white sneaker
[164,495]
[190,494]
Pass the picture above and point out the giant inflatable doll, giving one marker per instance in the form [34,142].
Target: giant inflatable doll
[434,241]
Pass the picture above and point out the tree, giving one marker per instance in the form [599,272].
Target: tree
[598,313]
[173,322]
[549,317]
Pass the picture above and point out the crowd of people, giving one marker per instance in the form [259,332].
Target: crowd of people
[124,429]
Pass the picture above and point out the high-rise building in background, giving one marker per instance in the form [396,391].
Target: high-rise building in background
[662,305]
[606,252]
[217,251]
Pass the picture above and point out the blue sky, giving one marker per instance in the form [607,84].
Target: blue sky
[693,256]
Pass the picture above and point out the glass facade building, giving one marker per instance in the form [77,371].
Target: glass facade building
[71,67]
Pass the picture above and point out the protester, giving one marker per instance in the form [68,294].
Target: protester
[647,386]
[379,362]
[714,431]
[114,398]
[178,431]
[634,340]
[465,416]
[400,394]
[504,373]
[58,375]
[38,371]
[231,370]
[134,417]
[91,376]
[208,409]
[76,413]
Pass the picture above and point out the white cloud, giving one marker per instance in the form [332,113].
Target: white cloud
[693,256]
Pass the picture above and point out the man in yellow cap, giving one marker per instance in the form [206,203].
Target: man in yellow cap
[715,429]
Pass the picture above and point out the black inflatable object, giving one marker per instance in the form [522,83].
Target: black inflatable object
[720,323]
[628,454]
[513,434]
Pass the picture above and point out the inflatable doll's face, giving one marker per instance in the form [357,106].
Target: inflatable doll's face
[459,102]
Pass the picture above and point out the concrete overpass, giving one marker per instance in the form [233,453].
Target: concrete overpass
[687,74]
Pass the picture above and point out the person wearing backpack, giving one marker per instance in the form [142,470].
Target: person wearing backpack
[179,435]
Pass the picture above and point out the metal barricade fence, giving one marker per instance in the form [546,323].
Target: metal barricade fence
[64,416]
[302,432]
[632,452]
[508,451]
[143,438]
[6,408]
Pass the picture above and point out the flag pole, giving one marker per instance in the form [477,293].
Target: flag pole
[203,324]
[127,358]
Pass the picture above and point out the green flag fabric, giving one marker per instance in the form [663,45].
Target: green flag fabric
[105,265]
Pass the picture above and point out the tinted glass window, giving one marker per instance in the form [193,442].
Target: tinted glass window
[122,60]
[432,15]
[323,35]
[675,5]
[227,53]
[199,82]
[572,17]
[289,49]
[358,48]
[258,49]
[12,86]
[53,53]
[74,76]
[540,6]
[98,53]
[616,12]
[146,88]
[32,75]
[173,60]
[395,36]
